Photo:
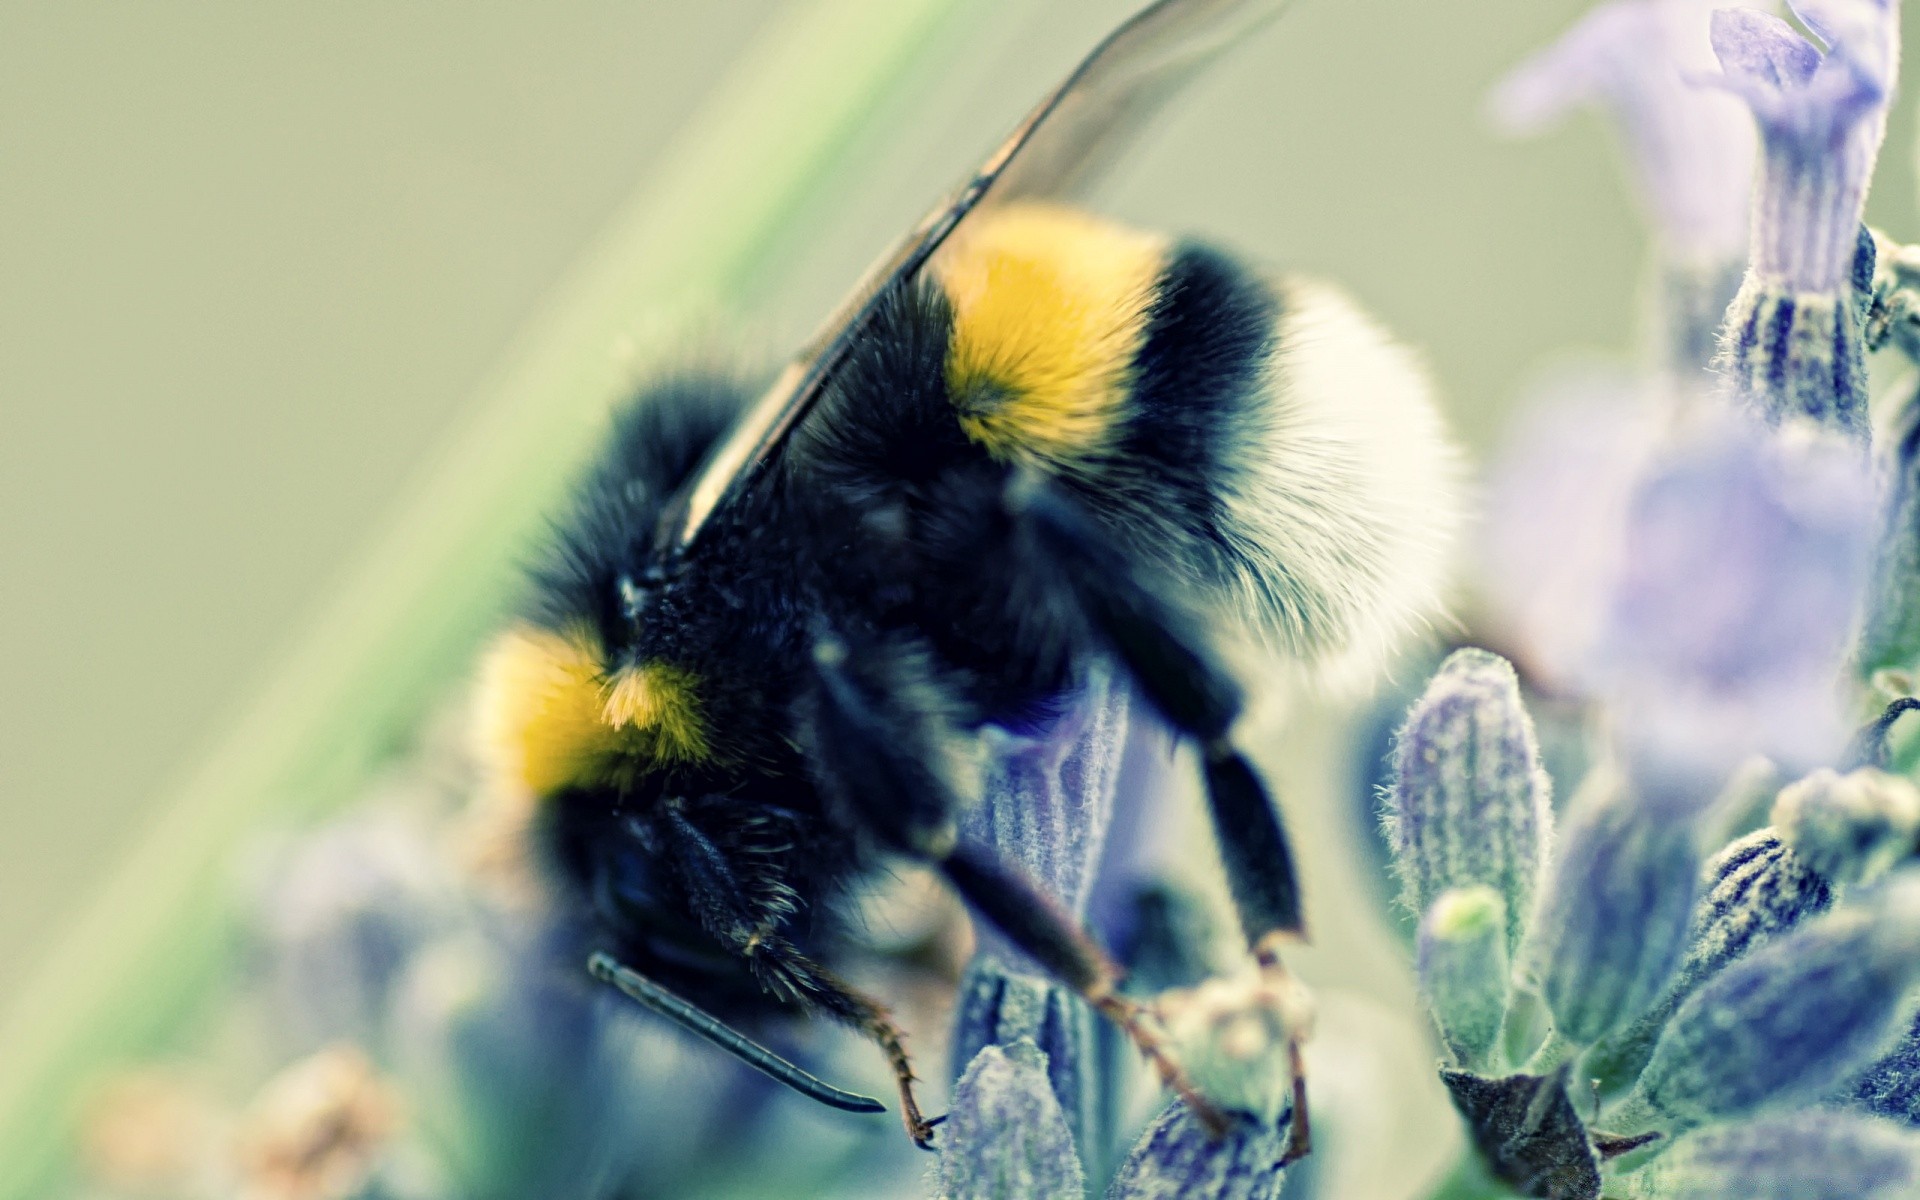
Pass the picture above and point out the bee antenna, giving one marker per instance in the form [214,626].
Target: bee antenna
[697,1021]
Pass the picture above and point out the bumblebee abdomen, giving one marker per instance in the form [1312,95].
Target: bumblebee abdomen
[1261,439]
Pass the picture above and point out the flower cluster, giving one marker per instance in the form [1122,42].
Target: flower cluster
[1652,1017]
[1699,977]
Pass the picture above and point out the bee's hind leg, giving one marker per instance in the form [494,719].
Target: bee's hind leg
[1163,646]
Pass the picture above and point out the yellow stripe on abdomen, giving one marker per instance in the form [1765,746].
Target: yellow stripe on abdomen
[1050,306]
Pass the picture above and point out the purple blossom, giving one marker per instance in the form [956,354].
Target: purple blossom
[1745,556]
[1557,502]
[1692,150]
[1821,118]
[1793,343]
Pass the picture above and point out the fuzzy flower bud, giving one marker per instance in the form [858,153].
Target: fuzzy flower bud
[1045,806]
[1793,341]
[1613,922]
[1804,1156]
[1790,1020]
[1176,1158]
[1462,954]
[1005,1137]
[1469,802]
[1850,828]
[1753,890]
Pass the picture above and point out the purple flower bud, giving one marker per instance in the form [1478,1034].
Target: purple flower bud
[1469,802]
[1786,1023]
[1177,1158]
[1047,798]
[1612,922]
[1793,342]
[999,1007]
[1046,802]
[1005,1137]
[1850,828]
[1462,955]
[1801,1156]
[1754,890]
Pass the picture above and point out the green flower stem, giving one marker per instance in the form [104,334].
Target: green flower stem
[124,980]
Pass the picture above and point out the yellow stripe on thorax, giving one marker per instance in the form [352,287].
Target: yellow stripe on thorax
[550,716]
[1050,306]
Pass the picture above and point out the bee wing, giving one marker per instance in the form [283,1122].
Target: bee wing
[1059,148]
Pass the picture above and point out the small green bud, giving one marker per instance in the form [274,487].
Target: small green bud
[1849,828]
[1463,969]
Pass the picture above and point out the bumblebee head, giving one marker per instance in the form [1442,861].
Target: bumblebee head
[554,713]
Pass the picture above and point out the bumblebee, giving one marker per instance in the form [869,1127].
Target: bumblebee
[1033,445]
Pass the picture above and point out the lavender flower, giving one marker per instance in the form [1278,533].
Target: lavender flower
[1027,1044]
[1793,343]
[1046,803]
[1805,1156]
[1612,921]
[1006,1137]
[1786,1023]
[1469,802]
[1752,891]
[1745,558]
[1691,149]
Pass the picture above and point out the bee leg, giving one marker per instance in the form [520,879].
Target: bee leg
[723,907]
[878,751]
[1036,923]
[1165,648]
[785,971]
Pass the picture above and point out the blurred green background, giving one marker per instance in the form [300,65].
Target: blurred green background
[256,259]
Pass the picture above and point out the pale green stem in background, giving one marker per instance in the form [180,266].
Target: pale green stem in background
[395,639]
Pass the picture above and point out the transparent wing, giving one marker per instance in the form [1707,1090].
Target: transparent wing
[1059,149]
